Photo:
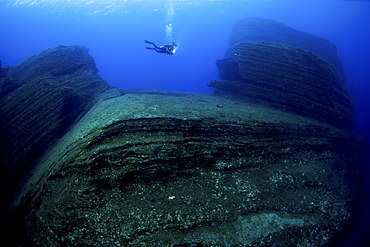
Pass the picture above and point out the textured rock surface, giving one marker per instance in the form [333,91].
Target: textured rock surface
[258,29]
[157,170]
[110,167]
[40,99]
[285,77]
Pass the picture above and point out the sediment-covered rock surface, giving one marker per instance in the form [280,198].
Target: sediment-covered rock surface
[158,168]
[205,171]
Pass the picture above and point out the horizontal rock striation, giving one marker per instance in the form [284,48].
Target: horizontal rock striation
[40,100]
[120,167]
[285,77]
[254,29]
[206,171]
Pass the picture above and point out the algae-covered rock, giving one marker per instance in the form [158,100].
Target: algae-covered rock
[164,170]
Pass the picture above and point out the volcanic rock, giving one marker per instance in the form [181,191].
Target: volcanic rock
[158,168]
[254,29]
[285,77]
[41,99]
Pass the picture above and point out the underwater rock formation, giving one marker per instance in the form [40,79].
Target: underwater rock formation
[254,29]
[40,100]
[205,170]
[285,77]
[159,168]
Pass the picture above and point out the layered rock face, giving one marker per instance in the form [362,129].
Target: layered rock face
[158,168]
[254,29]
[40,99]
[288,78]
[285,77]
[206,171]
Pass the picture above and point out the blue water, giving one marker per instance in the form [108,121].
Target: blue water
[114,31]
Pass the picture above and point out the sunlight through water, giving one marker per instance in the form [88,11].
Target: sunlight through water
[109,5]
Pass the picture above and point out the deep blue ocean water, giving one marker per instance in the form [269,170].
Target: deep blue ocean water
[114,31]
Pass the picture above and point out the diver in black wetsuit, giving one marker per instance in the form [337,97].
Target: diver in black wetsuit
[168,49]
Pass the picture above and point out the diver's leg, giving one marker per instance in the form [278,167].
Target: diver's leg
[152,43]
[148,42]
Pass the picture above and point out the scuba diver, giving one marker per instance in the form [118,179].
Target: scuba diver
[168,49]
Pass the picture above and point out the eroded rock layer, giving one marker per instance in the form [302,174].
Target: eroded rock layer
[157,170]
[285,77]
[254,29]
[110,167]
[40,99]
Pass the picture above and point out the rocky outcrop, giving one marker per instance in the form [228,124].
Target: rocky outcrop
[158,168]
[285,77]
[272,64]
[40,100]
[254,29]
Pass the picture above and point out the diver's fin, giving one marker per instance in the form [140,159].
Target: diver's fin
[148,42]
